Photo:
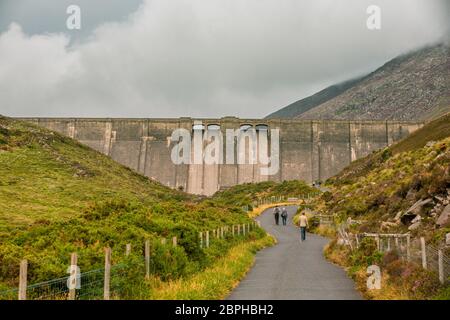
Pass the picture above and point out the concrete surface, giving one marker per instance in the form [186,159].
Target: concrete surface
[309,150]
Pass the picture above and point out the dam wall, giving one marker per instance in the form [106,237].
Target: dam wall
[308,150]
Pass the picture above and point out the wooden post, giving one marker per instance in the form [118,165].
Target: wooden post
[396,243]
[200,235]
[218,233]
[377,239]
[106,287]
[243,229]
[408,244]
[23,280]
[424,252]
[207,239]
[147,259]
[174,241]
[232,230]
[238,229]
[163,241]
[357,240]
[73,266]
[128,249]
[441,266]
[389,244]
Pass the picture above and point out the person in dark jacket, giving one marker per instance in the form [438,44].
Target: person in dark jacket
[276,214]
[284,216]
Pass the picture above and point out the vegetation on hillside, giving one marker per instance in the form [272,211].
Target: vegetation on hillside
[380,191]
[58,196]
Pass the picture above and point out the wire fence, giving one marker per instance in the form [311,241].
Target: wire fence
[91,285]
[434,258]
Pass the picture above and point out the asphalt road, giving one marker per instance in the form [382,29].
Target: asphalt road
[293,270]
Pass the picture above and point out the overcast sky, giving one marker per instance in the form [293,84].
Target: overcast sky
[198,58]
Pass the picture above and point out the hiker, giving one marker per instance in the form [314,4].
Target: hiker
[284,216]
[303,223]
[276,214]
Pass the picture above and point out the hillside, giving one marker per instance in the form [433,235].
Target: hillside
[299,107]
[400,189]
[58,196]
[413,86]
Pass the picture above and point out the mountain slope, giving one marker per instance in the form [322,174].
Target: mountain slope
[414,86]
[316,99]
[401,189]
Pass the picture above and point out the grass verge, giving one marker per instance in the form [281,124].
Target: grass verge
[215,282]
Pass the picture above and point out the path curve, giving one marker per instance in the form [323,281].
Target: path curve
[291,270]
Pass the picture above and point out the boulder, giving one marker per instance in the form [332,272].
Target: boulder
[414,226]
[416,219]
[398,216]
[414,211]
[444,217]
[387,224]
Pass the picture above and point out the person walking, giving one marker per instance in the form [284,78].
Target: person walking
[284,216]
[276,214]
[303,223]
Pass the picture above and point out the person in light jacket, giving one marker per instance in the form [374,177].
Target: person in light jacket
[303,223]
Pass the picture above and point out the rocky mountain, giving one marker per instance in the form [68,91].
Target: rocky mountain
[413,86]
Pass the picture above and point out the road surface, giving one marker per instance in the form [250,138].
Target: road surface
[293,270]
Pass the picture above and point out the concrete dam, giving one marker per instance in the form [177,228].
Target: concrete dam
[308,150]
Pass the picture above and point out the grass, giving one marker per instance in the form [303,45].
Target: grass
[215,282]
[375,189]
[58,196]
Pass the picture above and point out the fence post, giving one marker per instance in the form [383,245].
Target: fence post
[424,252]
[147,259]
[232,230]
[218,233]
[106,287]
[73,266]
[441,266]
[378,242]
[163,241]
[396,243]
[23,280]
[243,229]
[200,235]
[207,239]
[174,241]
[408,244]
[389,244]
[128,249]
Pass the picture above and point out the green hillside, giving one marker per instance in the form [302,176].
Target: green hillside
[58,196]
[403,188]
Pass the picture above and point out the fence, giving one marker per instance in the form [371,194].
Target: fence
[277,199]
[416,251]
[107,283]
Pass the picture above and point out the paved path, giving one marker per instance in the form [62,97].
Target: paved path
[293,270]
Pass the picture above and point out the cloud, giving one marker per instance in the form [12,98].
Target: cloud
[206,58]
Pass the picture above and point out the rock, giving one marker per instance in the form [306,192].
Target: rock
[414,226]
[414,211]
[398,216]
[430,143]
[444,218]
[416,219]
[387,224]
